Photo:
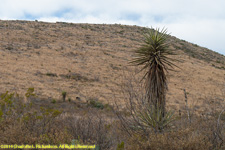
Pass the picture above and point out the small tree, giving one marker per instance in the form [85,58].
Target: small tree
[153,55]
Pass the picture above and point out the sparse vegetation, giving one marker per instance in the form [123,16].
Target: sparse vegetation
[41,125]
[45,125]
[204,132]
[87,61]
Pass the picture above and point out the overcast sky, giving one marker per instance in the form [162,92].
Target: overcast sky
[198,21]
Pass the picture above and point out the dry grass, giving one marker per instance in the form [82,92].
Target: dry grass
[28,123]
[88,60]
[201,134]
[191,127]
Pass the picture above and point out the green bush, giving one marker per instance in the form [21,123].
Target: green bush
[30,92]
[120,146]
[96,104]
[32,124]
[53,101]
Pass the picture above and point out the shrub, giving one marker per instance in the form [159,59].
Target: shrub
[30,93]
[185,139]
[120,146]
[43,125]
[92,129]
[19,119]
[64,95]
[96,104]
[53,101]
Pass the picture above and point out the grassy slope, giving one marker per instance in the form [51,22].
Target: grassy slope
[89,61]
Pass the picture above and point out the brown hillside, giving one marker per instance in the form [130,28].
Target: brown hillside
[89,61]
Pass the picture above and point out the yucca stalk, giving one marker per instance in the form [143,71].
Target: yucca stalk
[153,56]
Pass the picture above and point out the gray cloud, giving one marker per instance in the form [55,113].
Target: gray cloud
[198,21]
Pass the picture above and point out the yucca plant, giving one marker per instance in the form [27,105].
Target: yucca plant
[64,95]
[152,119]
[153,56]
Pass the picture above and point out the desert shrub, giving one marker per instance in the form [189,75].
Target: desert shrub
[19,119]
[201,134]
[95,103]
[30,92]
[53,101]
[24,123]
[30,95]
[184,139]
[144,130]
[120,146]
[92,129]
